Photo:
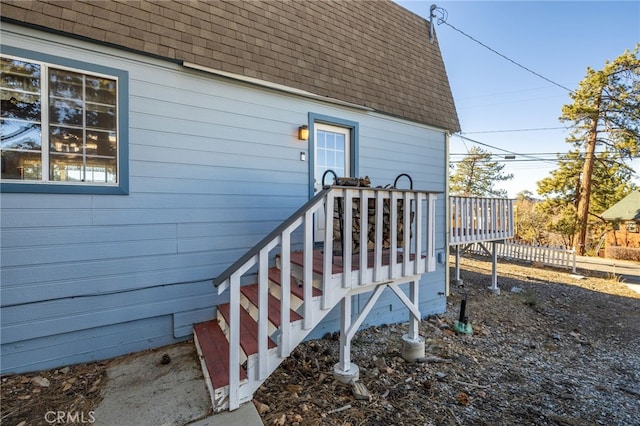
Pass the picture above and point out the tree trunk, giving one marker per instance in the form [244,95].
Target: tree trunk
[585,188]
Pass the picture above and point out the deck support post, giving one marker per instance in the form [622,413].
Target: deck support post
[345,371]
[412,343]
[494,269]
[457,281]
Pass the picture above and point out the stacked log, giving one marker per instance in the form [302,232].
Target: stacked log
[354,238]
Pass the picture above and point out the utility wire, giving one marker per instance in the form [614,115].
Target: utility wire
[514,130]
[443,20]
[500,149]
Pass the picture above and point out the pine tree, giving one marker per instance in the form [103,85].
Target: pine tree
[605,116]
[476,175]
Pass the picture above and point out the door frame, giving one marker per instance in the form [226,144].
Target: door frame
[353,143]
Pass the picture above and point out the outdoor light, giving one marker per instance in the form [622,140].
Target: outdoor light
[303,132]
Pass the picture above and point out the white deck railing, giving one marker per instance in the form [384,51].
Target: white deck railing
[413,237]
[475,219]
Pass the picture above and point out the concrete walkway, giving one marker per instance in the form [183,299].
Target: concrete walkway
[142,390]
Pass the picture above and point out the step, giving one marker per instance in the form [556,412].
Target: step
[248,330]
[214,348]
[251,293]
[297,290]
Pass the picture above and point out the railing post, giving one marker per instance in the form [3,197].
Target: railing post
[419,262]
[307,272]
[347,237]
[393,219]
[364,235]
[327,267]
[285,296]
[234,342]
[431,233]
[377,251]
[406,234]
[263,321]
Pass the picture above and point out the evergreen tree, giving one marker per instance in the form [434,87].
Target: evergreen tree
[605,117]
[476,175]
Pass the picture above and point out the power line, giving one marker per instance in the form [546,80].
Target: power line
[499,149]
[514,130]
[443,20]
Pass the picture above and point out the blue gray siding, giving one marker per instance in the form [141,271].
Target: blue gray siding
[214,166]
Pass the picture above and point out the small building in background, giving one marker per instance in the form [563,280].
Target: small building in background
[623,240]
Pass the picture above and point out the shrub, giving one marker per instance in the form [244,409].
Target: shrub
[622,253]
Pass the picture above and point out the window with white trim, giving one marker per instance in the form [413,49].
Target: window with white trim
[58,125]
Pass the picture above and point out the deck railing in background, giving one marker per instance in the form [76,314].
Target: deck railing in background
[475,219]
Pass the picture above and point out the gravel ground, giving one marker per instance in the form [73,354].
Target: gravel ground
[560,351]
[557,350]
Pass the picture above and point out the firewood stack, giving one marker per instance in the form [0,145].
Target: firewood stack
[338,214]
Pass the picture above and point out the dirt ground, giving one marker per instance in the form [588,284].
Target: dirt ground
[551,349]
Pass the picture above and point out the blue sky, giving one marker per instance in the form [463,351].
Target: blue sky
[556,39]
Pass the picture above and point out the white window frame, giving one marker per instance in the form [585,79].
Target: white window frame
[45,184]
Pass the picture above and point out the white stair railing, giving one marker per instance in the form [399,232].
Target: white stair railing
[381,252]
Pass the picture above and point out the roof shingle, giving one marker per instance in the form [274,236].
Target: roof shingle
[371,53]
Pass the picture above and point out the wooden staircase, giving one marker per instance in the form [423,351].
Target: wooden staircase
[283,287]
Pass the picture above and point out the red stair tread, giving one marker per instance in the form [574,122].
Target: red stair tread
[248,330]
[297,290]
[215,350]
[251,293]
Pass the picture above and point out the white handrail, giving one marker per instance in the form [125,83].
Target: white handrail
[381,213]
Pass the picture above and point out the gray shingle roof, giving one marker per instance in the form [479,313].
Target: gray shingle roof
[371,53]
[626,209]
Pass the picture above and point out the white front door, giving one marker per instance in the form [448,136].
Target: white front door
[331,151]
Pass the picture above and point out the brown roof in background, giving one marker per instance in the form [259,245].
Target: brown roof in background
[371,53]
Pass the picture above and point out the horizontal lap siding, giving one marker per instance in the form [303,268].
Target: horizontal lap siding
[214,166]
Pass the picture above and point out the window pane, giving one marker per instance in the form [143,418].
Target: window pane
[65,111]
[330,141]
[101,90]
[101,143]
[339,142]
[65,140]
[20,105]
[20,135]
[101,170]
[21,165]
[100,116]
[65,84]
[340,159]
[66,168]
[20,75]
[322,158]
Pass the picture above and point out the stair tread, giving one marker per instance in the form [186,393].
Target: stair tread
[251,293]
[297,290]
[215,350]
[248,330]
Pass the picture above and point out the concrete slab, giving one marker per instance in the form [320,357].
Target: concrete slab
[246,415]
[141,390]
